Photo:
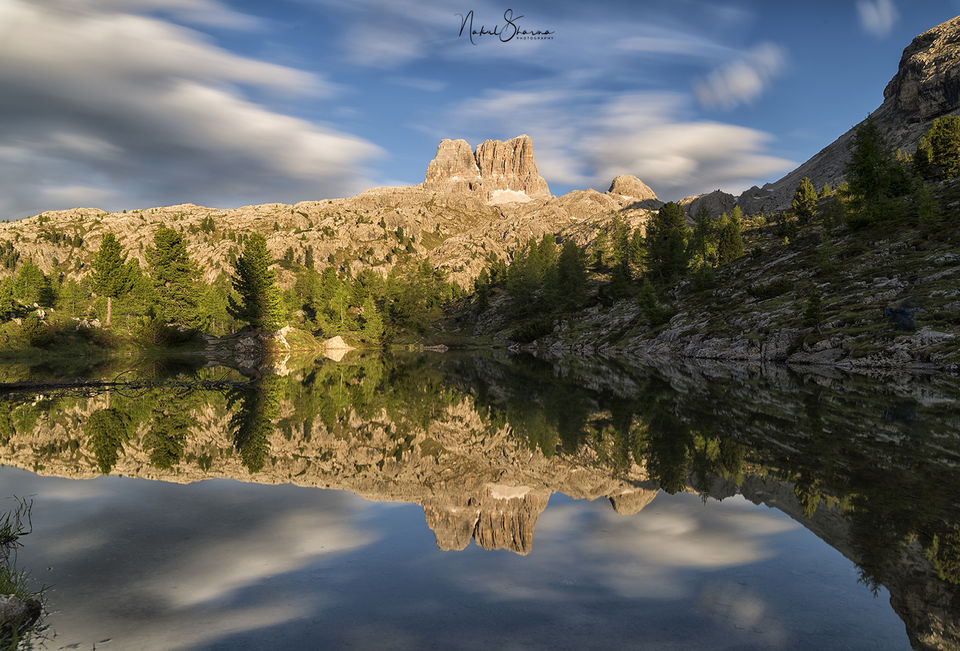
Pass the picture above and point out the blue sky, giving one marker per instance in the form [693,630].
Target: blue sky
[133,103]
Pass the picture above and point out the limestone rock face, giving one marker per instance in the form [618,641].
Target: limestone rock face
[716,203]
[633,501]
[628,185]
[500,517]
[926,86]
[454,169]
[927,83]
[498,172]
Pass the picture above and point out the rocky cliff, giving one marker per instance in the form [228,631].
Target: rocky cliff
[926,86]
[498,172]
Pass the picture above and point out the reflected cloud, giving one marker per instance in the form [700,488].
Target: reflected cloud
[290,542]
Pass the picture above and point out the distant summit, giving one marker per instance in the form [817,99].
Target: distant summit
[497,172]
[926,87]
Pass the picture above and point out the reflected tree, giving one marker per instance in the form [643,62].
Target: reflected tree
[255,420]
[167,437]
[107,430]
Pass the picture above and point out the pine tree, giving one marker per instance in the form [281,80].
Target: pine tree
[804,204]
[111,276]
[260,302]
[30,285]
[599,250]
[372,323]
[638,250]
[874,176]
[175,280]
[666,242]
[730,244]
[571,275]
[938,154]
[703,240]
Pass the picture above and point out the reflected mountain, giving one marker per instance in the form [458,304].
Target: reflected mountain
[869,465]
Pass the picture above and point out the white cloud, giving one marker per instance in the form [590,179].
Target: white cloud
[585,138]
[129,109]
[877,17]
[743,80]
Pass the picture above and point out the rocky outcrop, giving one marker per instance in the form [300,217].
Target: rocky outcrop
[500,171]
[633,500]
[630,187]
[926,86]
[716,203]
[501,517]
[454,169]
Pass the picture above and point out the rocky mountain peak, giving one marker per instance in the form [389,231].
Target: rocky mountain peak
[925,87]
[628,185]
[499,171]
[927,83]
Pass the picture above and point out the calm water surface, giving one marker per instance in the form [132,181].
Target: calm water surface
[477,502]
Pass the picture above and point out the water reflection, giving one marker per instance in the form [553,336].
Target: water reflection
[482,443]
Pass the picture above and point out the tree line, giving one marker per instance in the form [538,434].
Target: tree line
[167,301]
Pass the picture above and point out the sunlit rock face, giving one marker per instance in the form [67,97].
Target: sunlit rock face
[628,185]
[925,87]
[500,517]
[500,171]
[633,500]
[453,169]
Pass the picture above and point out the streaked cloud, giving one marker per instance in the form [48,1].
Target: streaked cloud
[877,17]
[586,137]
[743,80]
[114,109]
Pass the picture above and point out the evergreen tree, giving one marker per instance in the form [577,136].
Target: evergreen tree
[703,240]
[638,250]
[372,323]
[175,281]
[620,243]
[571,275]
[938,154]
[804,204]
[30,285]
[599,250]
[260,302]
[666,242]
[111,276]
[874,176]
[730,243]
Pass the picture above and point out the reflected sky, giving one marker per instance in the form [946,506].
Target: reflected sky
[223,565]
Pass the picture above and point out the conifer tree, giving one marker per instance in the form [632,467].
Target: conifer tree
[372,323]
[804,204]
[638,250]
[666,242]
[873,174]
[260,302]
[175,280]
[599,254]
[938,154]
[111,276]
[571,274]
[30,285]
[703,242]
[730,244]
